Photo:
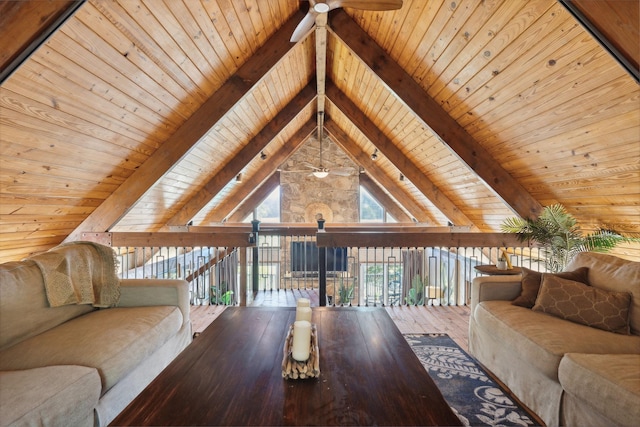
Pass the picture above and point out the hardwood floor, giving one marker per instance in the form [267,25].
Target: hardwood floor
[452,320]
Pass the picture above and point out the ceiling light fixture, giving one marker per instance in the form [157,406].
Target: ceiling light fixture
[374,155]
[321,7]
[320,173]
[401,177]
[263,156]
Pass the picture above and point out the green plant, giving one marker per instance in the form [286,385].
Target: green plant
[557,231]
[345,293]
[225,298]
[415,296]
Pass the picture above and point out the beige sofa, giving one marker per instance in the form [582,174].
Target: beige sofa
[568,372]
[77,364]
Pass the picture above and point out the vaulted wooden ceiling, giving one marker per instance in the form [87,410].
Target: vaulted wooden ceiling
[137,115]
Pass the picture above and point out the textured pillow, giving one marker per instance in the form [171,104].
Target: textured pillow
[584,304]
[531,281]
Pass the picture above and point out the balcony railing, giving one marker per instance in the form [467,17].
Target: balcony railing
[351,265]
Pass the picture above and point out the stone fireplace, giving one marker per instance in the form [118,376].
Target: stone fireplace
[303,196]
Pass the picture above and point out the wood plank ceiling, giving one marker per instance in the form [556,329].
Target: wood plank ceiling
[137,115]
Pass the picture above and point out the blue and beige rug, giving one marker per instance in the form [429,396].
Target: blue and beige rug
[472,394]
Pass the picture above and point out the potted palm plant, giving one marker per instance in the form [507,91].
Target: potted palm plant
[557,231]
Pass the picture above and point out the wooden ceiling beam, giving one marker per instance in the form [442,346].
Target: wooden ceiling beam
[252,149]
[270,166]
[262,191]
[461,143]
[26,25]
[363,159]
[395,156]
[615,25]
[389,204]
[114,207]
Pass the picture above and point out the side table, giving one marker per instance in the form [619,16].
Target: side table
[492,270]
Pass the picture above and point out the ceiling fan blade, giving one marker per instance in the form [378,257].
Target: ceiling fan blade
[341,171]
[310,166]
[370,4]
[309,19]
[304,26]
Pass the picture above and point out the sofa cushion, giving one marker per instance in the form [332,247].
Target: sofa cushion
[114,341]
[542,340]
[608,382]
[24,309]
[613,274]
[584,304]
[49,396]
[531,281]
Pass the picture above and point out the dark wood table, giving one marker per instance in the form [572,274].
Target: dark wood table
[232,375]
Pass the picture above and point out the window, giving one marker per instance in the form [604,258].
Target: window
[371,210]
[268,210]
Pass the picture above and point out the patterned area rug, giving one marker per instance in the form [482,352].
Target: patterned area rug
[471,393]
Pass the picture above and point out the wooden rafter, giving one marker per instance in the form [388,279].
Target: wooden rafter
[384,199]
[615,25]
[435,117]
[180,143]
[395,156]
[240,160]
[363,159]
[321,62]
[239,199]
[262,192]
[26,25]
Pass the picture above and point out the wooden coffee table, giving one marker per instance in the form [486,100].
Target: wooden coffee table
[232,375]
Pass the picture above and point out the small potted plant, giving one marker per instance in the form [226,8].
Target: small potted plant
[415,296]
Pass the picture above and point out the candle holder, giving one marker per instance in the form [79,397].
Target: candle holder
[294,369]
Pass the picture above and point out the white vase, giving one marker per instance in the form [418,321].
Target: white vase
[501,265]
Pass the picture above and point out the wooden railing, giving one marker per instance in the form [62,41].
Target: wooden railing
[346,265]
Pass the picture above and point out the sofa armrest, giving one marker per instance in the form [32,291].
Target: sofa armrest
[146,292]
[488,288]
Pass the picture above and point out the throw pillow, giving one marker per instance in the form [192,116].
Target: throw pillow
[584,304]
[531,281]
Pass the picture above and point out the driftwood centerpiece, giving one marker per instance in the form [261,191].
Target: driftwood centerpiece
[310,368]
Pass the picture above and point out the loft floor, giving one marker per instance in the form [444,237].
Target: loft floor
[452,320]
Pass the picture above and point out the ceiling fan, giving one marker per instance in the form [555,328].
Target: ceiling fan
[321,171]
[318,15]
[317,7]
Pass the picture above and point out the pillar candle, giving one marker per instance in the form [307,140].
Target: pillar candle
[303,302]
[301,340]
[303,313]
